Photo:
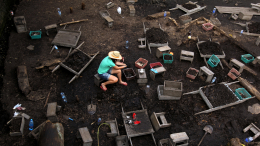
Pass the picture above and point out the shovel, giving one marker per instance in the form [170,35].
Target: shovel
[92,109]
[207,129]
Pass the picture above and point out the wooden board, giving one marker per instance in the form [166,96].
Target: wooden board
[236,10]
[67,38]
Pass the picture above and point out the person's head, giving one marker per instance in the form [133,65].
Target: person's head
[115,55]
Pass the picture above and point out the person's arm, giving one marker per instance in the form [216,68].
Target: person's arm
[119,63]
[121,67]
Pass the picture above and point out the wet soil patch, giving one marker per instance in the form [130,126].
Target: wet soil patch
[210,48]
[216,96]
[254,27]
[77,61]
[156,35]
[189,6]
[192,72]
[15,125]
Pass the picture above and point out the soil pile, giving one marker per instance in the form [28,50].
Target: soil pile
[156,35]
[167,57]
[254,27]
[210,48]
[192,72]
[77,61]
[128,73]
[216,96]
[189,6]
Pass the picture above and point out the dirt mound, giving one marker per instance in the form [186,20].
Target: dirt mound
[189,6]
[209,48]
[156,35]
[254,27]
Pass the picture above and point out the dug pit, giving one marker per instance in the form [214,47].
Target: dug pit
[210,48]
[156,35]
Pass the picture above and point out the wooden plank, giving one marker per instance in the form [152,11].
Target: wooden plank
[236,10]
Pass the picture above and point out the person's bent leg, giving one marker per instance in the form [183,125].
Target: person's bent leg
[111,80]
[119,75]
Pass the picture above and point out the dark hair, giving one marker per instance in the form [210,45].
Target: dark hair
[114,60]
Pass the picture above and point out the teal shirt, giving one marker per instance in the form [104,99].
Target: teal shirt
[105,65]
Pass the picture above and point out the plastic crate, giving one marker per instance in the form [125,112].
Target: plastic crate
[167,61]
[207,26]
[242,91]
[35,36]
[155,64]
[131,71]
[144,61]
[191,76]
[244,58]
[213,61]
[233,74]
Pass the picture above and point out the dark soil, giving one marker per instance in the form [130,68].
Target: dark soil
[98,37]
[129,74]
[192,72]
[156,35]
[77,61]
[249,58]
[254,27]
[210,48]
[156,66]
[216,96]
[15,125]
[167,57]
[189,6]
[184,17]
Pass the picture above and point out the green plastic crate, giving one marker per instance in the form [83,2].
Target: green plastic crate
[35,36]
[167,61]
[244,58]
[242,91]
[213,61]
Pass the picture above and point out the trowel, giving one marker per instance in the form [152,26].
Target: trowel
[92,108]
[207,129]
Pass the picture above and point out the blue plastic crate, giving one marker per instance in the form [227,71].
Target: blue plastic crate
[35,36]
[242,91]
[167,61]
[244,58]
[213,61]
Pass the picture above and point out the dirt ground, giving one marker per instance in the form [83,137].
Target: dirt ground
[99,37]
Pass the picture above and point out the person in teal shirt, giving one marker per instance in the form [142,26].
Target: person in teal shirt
[109,66]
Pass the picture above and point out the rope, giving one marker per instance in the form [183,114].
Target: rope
[98,131]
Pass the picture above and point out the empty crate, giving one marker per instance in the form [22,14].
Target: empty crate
[241,93]
[247,58]
[213,61]
[172,88]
